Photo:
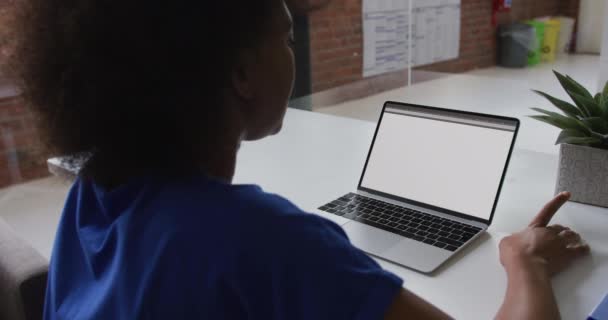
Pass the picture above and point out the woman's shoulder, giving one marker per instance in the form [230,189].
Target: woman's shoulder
[241,208]
[194,201]
[249,224]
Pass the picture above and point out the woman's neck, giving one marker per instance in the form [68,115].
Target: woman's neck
[220,162]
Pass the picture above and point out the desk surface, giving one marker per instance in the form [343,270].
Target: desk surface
[476,94]
[318,158]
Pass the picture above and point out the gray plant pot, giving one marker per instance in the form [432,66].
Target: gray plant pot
[583,171]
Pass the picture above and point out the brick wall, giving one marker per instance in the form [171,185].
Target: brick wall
[5,19]
[569,8]
[336,60]
[20,149]
[336,38]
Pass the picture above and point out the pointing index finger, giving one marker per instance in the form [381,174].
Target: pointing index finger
[545,215]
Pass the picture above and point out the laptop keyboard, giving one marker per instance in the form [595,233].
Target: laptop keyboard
[436,231]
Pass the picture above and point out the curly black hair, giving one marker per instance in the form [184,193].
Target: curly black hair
[131,86]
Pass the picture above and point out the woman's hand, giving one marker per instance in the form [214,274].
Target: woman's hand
[549,249]
[530,258]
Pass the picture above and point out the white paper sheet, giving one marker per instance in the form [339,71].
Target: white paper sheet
[436,28]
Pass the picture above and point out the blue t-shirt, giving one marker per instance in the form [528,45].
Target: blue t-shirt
[202,249]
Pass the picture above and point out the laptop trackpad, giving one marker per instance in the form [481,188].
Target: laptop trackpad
[369,239]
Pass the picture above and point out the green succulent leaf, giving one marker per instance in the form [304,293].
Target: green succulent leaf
[549,113]
[602,137]
[577,140]
[580,87]
[572,136]
[564,106]
[596,124]
[585,122]
[604,104]
[560,121]
[572,86]
[598,99]
[588,105]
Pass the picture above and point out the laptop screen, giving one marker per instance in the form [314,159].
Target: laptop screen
[445,159]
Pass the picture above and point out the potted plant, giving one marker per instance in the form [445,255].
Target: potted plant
[583,163]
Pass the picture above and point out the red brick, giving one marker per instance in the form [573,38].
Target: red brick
[12,124]
[337,30]
[12,111]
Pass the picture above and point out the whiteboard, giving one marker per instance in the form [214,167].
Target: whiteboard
[435,27]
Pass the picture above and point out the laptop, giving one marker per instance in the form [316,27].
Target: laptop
[430,184]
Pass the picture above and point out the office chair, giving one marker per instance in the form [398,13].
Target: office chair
[23,275]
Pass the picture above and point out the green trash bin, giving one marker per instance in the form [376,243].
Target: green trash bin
[534,56]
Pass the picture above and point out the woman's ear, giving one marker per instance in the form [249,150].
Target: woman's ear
[242,78]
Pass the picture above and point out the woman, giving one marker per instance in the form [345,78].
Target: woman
[155,98]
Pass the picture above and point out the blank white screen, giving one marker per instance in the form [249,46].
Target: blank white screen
[448,165]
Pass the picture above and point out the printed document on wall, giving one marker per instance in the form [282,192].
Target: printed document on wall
[386,23]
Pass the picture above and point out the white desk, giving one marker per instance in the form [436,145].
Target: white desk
[476,94]
[318,158]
